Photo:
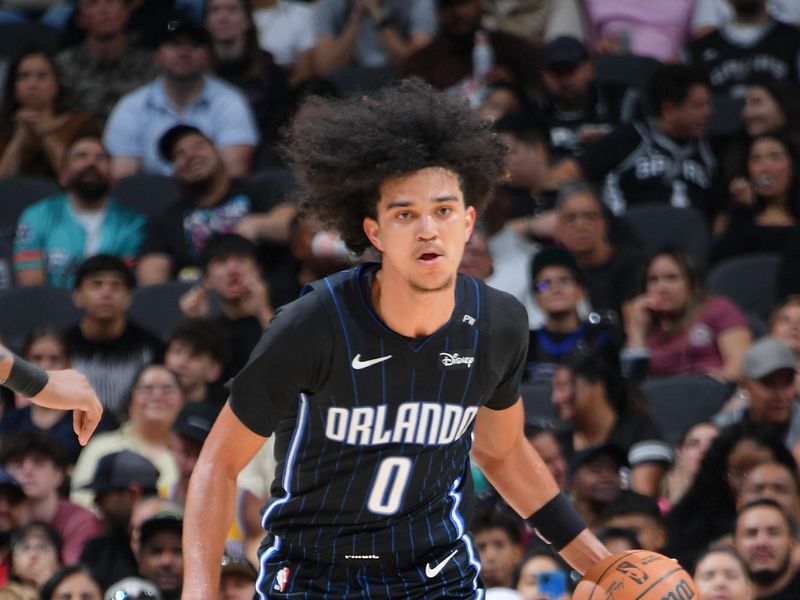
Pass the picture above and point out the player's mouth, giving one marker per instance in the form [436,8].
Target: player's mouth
[429,258]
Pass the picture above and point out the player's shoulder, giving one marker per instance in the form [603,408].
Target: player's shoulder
[502,307]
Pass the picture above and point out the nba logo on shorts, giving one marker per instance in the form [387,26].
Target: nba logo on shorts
[282,578]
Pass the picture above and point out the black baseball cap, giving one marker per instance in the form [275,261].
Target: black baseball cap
[173,135]
[105,263]
[563,50]
[169,520]
[195,420]
[580,458]
[177,28]
[119,470]
[8,482]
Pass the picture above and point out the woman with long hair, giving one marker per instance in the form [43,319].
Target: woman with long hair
[598,407]
[765,205]
[680,326]
[707,510]
[238,59]
[35,124]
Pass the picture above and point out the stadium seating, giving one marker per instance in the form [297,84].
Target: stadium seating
[749,280]
[678,402]
[24,309]
[155,307]
[657,225]
[148,194]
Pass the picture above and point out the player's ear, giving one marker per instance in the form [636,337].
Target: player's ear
[372,230]
[471,217]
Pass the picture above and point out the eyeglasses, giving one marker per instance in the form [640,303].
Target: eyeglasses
[150,389]
[545,284]
[38,547]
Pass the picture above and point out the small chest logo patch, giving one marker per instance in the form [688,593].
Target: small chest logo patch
[456,360]
[282,579]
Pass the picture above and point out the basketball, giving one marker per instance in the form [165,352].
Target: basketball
[636,575]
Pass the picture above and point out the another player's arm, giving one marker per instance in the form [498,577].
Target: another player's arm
[211,500]
[517,471]
[65,390]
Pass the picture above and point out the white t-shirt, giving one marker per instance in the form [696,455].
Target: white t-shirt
[715,13]
[285,30]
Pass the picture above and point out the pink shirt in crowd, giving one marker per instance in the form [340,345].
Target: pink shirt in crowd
[75,526]
[694,349]
[654,28]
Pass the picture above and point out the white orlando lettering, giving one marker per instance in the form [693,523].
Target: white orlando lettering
[423,423]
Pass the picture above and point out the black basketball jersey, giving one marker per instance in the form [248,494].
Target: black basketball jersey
[373,429]
[730,64]
[640,165]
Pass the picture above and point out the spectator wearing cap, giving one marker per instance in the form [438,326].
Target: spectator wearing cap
[183,93]
[595,480]
[189,431]
[155,401]
[106,65]
[198,352]
[447,61]
[104,345]
[37,461]
[57,233]
[161,553]
[211,203]
[238,578]
[768,371]
[558,290]
[584,227]
[595,401]
[231,270]
[12,509]
[120,480]
[376,33]
[576,110]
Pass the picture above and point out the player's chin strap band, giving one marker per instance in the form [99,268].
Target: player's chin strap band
[557,522]
[25,378]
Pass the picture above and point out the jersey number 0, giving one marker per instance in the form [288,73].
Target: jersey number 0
[389,484]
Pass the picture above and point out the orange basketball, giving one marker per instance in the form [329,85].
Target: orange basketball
[636,575]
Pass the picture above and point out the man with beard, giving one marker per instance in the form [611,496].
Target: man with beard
[55,235]
[763,538]
[212,203]
[182,93]
[752,44]
[595,480]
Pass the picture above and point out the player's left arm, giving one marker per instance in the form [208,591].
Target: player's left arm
[519,474]
[64,390]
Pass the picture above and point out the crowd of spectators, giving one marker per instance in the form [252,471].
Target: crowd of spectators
[160,124]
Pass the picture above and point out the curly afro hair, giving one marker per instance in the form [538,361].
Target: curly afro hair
[350,146]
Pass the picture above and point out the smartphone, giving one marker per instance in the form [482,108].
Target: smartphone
[552,584]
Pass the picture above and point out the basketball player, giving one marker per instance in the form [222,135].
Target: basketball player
[65,390]
[375,381]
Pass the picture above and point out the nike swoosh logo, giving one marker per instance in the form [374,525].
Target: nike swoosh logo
[363,364]
[432,572]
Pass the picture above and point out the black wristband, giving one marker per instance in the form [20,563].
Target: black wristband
[25,378]
[557,522]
